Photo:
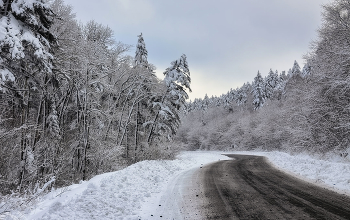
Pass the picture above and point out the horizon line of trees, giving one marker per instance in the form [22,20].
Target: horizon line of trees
[306,110]
[254,93]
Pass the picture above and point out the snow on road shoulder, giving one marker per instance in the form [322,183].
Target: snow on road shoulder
[124,193]
[333,175]
[120,194]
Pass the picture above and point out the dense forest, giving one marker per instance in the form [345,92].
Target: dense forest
[303,110]
[73,104]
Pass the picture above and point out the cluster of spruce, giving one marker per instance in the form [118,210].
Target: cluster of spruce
[73,104]
[256,93]
[305,110]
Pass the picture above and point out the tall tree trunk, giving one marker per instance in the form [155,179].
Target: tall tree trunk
[37,125]
[137,130]
[24,134]
[86,126]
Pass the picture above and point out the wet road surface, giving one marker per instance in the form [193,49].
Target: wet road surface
[247,187]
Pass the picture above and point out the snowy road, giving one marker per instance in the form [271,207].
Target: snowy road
[249,188]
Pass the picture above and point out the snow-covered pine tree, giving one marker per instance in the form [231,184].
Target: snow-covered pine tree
[232,94]
[226,100]
[242,94]
[141,53]
[259,95]
[195,105]
[177,80]
[25,38]
[187,108]
[296,69]
[206,102]
[211,101]
[145,80]
[306,70]
[280,86]
[238,96]
[25,44]
[283,75]
[218,101]
[271,83]
[25,56]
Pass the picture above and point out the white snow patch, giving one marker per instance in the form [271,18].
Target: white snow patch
[5,74]
[120,194]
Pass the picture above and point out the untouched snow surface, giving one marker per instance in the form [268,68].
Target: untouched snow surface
[129,193]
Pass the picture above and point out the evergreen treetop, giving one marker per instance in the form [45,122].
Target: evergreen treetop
[141,52]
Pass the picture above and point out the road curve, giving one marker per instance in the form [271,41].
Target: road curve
[247,187]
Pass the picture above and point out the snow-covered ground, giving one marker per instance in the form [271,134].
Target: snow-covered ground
[131,192]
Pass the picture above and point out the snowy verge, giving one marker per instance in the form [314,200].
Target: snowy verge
[125,194]
[117,195]
[332,175]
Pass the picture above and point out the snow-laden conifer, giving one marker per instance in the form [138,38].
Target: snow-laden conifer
[24,31]
[296,69]
[205,102]
[177,79]
[212,101]
[241,96]
[218,102]
[271,83]
[283,75]
[306,70]
[226,100]
[141,52]
[259,95]
[232,95]
[26,44]
[279,90]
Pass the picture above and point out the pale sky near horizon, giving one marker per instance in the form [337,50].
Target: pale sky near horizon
[226,41]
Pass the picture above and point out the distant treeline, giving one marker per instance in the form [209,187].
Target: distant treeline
[303,110]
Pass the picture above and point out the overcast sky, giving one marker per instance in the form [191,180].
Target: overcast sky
[226,41]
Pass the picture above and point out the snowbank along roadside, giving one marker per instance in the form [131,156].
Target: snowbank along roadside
[120,194]
[123,194]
